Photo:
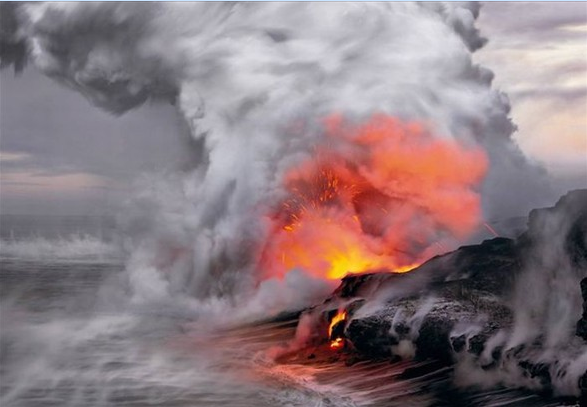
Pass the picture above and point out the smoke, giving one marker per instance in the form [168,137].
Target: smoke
[245,77]
[546,302]
[547,299]
[406,347]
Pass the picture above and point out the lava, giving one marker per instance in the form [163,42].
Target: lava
[337,343]
[336,339]
[383,194]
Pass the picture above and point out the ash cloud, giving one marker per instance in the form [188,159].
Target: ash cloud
[241,74]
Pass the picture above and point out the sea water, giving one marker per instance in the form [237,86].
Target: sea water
[69,337]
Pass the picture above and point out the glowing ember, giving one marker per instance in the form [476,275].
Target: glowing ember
[340,316]
[336,342]
[381,195]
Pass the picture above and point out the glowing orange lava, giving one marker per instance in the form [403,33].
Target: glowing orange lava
[379,195]
[338,342]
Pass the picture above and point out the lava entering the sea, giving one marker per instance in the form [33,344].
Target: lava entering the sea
[384,194]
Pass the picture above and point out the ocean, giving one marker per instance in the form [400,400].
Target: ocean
[69,336]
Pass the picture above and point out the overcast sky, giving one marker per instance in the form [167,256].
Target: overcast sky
[59,154]
[538,52]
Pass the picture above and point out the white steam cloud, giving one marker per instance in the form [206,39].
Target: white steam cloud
[245,76]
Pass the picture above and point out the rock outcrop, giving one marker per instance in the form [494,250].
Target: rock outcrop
[582,324]
[457,305]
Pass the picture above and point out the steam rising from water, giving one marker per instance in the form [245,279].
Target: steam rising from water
[546,303]
[243,75]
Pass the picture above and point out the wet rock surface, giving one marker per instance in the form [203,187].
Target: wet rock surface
[582,324]
[454,305]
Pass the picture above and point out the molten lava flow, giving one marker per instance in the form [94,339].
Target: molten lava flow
[381,195]
[336,341]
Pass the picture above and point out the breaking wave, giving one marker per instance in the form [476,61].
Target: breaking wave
[76,247]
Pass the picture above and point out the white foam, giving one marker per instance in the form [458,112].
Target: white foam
[78,247]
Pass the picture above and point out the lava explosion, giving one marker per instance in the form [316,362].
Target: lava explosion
[383,194]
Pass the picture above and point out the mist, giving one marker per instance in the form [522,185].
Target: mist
[209,120]
[239,74]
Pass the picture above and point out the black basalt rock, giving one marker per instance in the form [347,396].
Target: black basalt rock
[582,324]
[370,336]
[433,340]
[455,306]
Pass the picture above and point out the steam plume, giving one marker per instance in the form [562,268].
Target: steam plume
[242,75]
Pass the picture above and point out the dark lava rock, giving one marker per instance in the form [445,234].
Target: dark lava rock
[370,336]
[582,324]
[491,266]
[338,330]
[468,289]
[466,283]
[583,387]
[433,340]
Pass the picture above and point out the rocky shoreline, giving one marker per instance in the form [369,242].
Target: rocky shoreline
[467,307]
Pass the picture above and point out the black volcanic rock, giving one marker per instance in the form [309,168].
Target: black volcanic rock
[465,284]
[433,341]
[582,324]
[490,266]
[370,336]
[583,387]
[455,303]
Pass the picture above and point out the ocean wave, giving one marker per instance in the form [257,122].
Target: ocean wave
[77,247]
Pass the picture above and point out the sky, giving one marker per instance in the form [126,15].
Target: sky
[61,155]
[538,53]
